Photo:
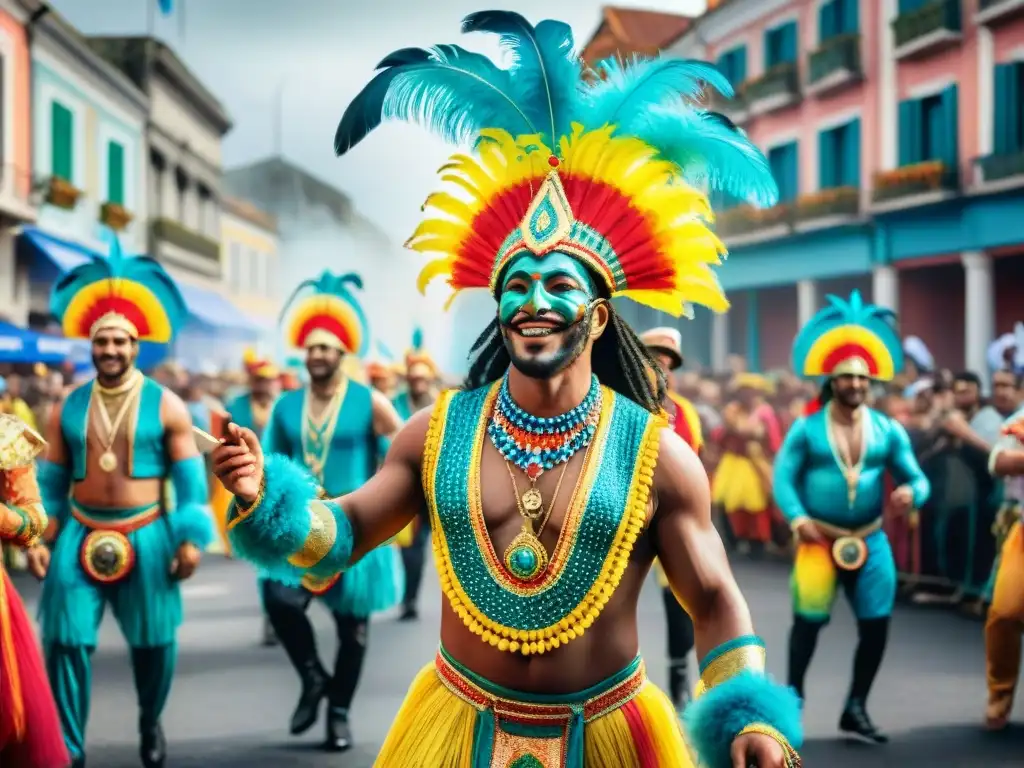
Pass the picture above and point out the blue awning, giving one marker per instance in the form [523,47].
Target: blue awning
[206,308]
[21,345]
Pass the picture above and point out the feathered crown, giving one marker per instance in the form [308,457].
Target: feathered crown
[325,311]
[606,171]
[133,294]
[849,337]
[417,355]
[259,366]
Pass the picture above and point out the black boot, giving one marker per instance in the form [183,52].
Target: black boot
[79,763]
[409,613]
[855,721]
[153,747]
[314,688]
[339,736]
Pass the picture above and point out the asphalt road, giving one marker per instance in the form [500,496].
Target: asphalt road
[232,699]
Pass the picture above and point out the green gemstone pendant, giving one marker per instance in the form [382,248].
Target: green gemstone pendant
[526,557]
[527,761]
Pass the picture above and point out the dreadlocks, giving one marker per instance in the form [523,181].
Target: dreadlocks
[619,359]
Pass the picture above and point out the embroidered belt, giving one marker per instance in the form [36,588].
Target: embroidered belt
[139,518]
[835,532]
[849,551]
[107,555]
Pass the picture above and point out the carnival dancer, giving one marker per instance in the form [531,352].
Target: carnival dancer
[113,443]
[829,485]
[1005,621]
[30,733]
[541,556]
[332,428]
[421,376]
[252,410]
[666,346]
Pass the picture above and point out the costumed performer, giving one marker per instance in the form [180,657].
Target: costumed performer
[577,191]
[332,429]
[666,346]
[30,732]
[830,487]
[113,443]
[1005,621]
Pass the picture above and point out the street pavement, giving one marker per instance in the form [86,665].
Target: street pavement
[232,699]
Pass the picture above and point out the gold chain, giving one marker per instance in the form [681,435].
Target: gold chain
[551,505]
[112,426]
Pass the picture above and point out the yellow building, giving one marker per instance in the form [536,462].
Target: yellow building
[249,254]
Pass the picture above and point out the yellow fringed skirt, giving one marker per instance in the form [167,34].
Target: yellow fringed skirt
[738,486]
[452,718]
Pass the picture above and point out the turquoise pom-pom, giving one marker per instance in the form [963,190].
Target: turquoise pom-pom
[713,720]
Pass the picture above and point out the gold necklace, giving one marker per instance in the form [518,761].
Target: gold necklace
[108,459]
[525,556]
[843,451]
[316,436]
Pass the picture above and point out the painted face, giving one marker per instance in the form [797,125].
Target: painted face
[544,309]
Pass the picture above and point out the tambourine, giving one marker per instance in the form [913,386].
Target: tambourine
[107,556]
[849,552]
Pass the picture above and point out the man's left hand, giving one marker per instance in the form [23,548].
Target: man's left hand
[756,749]
[185,562]
[902,500]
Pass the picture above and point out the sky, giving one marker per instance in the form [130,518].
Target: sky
[308,59]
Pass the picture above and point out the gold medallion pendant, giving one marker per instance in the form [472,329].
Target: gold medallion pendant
[108,461]
[532,500]
[526,558]
[107,556]
[849,552]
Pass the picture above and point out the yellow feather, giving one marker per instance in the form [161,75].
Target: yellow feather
[438,228]
[447,203]
[431,271]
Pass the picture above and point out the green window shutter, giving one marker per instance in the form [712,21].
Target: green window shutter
[951,121]
[849,16]
[115,173]
[828,23]
[62,125]
[850,176]
[826,159]
[739,66]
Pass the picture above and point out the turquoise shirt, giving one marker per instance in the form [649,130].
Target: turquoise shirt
[809,480]
[352,456]
[240,409]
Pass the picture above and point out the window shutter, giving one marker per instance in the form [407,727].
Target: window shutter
[950,118]
[793,170]
[851,154]
[849,16]
[827,26]
[790,43]
[739,65]
[771,37]
[115,173]
[61,131]
[826,159]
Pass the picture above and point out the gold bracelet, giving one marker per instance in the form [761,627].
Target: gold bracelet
[241,511]
[792,756]
[731,663]
[323,531]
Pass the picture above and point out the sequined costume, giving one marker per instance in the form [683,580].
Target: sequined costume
[118,557]
[1005,621]
[339,446]
[818,479]
[569,176]
[30,733]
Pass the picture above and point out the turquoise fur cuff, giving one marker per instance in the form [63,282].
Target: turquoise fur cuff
[190,519]
[279,526]
[714,719]
[55,487]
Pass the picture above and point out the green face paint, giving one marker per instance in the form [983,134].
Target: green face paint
[555,283]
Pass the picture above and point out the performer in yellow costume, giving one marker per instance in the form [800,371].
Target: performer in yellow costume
[577,190]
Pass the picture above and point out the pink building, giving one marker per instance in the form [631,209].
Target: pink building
[895,129]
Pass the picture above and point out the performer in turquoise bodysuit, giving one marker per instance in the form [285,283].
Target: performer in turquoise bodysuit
[576,190]
[829,484]
[112,444]
[332,428]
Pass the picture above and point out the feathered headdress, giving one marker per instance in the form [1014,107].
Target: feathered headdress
[606,171]
[325,311]
[849,337]
[133,294]
[259,366]
[418,356]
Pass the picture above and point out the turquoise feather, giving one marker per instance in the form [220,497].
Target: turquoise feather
[138,269]
[417,339]
[855,311]
[331,284]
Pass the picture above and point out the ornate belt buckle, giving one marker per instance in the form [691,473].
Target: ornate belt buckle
[107,556]
[319,586]
[849,552]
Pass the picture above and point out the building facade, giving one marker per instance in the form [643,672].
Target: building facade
[895,131]
[249,252]
[88,150]
[16,203]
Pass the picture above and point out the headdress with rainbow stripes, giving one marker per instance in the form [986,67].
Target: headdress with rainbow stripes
[849,337]
[260,366]
[605,169]
[131,293]
[325,311]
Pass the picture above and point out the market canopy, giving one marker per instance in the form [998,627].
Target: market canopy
[21,345]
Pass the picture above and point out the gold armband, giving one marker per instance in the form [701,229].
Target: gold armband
[323,531]
[242,511]
[792,757]
[751,656]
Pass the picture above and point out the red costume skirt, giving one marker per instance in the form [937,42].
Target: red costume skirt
[30,732]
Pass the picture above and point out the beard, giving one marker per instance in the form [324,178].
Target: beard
[100,363]
[545,365]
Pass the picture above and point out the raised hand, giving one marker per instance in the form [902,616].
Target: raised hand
[238,463]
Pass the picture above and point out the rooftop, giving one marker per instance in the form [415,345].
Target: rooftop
[625,31]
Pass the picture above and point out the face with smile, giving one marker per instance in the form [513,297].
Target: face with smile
[113,354]
[851,390]
[545,309]
[322,362]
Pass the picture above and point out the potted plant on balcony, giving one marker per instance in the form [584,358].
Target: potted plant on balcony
[838,201]
[919,178]
[62,193]
[115,216]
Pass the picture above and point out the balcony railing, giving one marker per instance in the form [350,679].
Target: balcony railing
[183,237]
[746,220]
[840,201]
[837,62]
[777,88]
[930,176]
[937,23]
[1001,167]
[736,109]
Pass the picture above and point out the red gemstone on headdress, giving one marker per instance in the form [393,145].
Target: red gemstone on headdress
[553,161]
[533,470]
